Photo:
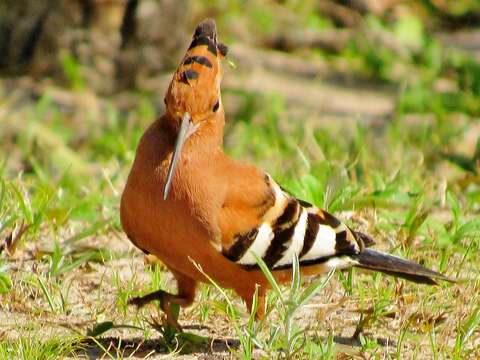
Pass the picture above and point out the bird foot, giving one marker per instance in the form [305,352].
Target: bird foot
[167,304]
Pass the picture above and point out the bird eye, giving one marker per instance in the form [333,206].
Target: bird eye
[216,106]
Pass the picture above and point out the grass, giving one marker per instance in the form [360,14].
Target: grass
[67,270]
[35,347]
[72,263]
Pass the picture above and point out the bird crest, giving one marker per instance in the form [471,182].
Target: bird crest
[193,96]
[195,86]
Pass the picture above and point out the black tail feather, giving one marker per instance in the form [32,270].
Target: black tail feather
[393,265]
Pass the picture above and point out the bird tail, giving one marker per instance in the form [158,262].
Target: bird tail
[393,265]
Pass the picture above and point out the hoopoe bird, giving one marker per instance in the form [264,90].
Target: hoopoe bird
[192,206]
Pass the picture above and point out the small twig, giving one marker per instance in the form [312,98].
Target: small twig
[11,240]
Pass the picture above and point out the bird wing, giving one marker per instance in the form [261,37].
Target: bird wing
[260,218]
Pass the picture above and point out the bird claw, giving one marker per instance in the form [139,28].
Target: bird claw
[137,301]
[171,320]
[165,325]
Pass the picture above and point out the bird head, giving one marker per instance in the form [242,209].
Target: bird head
[193,97]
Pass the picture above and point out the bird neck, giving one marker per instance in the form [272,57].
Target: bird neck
[210,132]
[207,138]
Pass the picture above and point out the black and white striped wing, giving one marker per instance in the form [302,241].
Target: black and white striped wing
[291,226]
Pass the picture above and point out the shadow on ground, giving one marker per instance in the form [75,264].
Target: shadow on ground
[138,347]
[210,347]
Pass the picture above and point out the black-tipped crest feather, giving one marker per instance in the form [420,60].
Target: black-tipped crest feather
[206,28]
[223,49]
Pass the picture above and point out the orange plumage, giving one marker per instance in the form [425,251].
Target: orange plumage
[187,203]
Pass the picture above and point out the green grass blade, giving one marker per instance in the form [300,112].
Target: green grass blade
[295,278]
[312,289]
[268,274]
[47,294]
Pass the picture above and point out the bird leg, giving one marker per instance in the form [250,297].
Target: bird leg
[166,300]
[185,297]
[247,296]
[140,301]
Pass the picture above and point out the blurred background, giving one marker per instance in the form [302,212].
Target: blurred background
[85,77]
[364,57]
[324,61]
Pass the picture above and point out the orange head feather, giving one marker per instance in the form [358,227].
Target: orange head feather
[193,98]
[195,87]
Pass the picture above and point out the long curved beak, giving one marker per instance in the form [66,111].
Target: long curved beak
[187,128]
